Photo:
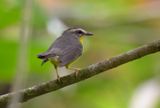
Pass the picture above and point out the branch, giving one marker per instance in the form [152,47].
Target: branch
[83,74]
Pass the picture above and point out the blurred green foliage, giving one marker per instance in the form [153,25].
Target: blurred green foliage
[111,89]
[9,13]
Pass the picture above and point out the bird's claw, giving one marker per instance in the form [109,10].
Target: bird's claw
[59,79]
[76,72]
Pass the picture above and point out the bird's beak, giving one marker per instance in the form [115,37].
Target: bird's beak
[88,34]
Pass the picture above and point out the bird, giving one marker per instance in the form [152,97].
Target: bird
[65,49]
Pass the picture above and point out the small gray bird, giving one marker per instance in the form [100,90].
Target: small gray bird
[65,49]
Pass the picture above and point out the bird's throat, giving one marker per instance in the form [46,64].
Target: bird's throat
[81,40]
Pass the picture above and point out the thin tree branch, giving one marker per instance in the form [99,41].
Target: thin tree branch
[85,73]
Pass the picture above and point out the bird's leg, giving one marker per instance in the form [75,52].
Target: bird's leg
[58,77]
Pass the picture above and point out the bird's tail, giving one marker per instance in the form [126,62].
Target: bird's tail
[44,61]
[41,56]
[45,56]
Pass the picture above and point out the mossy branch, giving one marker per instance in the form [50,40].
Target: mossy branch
[85,73]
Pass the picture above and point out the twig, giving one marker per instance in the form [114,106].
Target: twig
[85,73]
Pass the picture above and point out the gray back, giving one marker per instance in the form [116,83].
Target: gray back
[67,47]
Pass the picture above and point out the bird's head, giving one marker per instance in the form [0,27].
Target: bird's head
[79,32]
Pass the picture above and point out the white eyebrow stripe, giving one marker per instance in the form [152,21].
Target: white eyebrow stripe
[78,29]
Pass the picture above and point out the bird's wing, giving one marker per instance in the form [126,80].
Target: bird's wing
[67,48]
[55,49]
[70,54]
[60,42]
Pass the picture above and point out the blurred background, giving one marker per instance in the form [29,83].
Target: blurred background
[27,29]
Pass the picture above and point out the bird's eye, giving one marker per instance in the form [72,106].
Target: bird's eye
[79,32]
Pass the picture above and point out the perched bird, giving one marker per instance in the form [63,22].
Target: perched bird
[65,49]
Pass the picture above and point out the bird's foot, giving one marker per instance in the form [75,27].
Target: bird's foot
[59,79]
[76,71]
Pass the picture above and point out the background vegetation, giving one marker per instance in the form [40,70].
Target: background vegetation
[118,26]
